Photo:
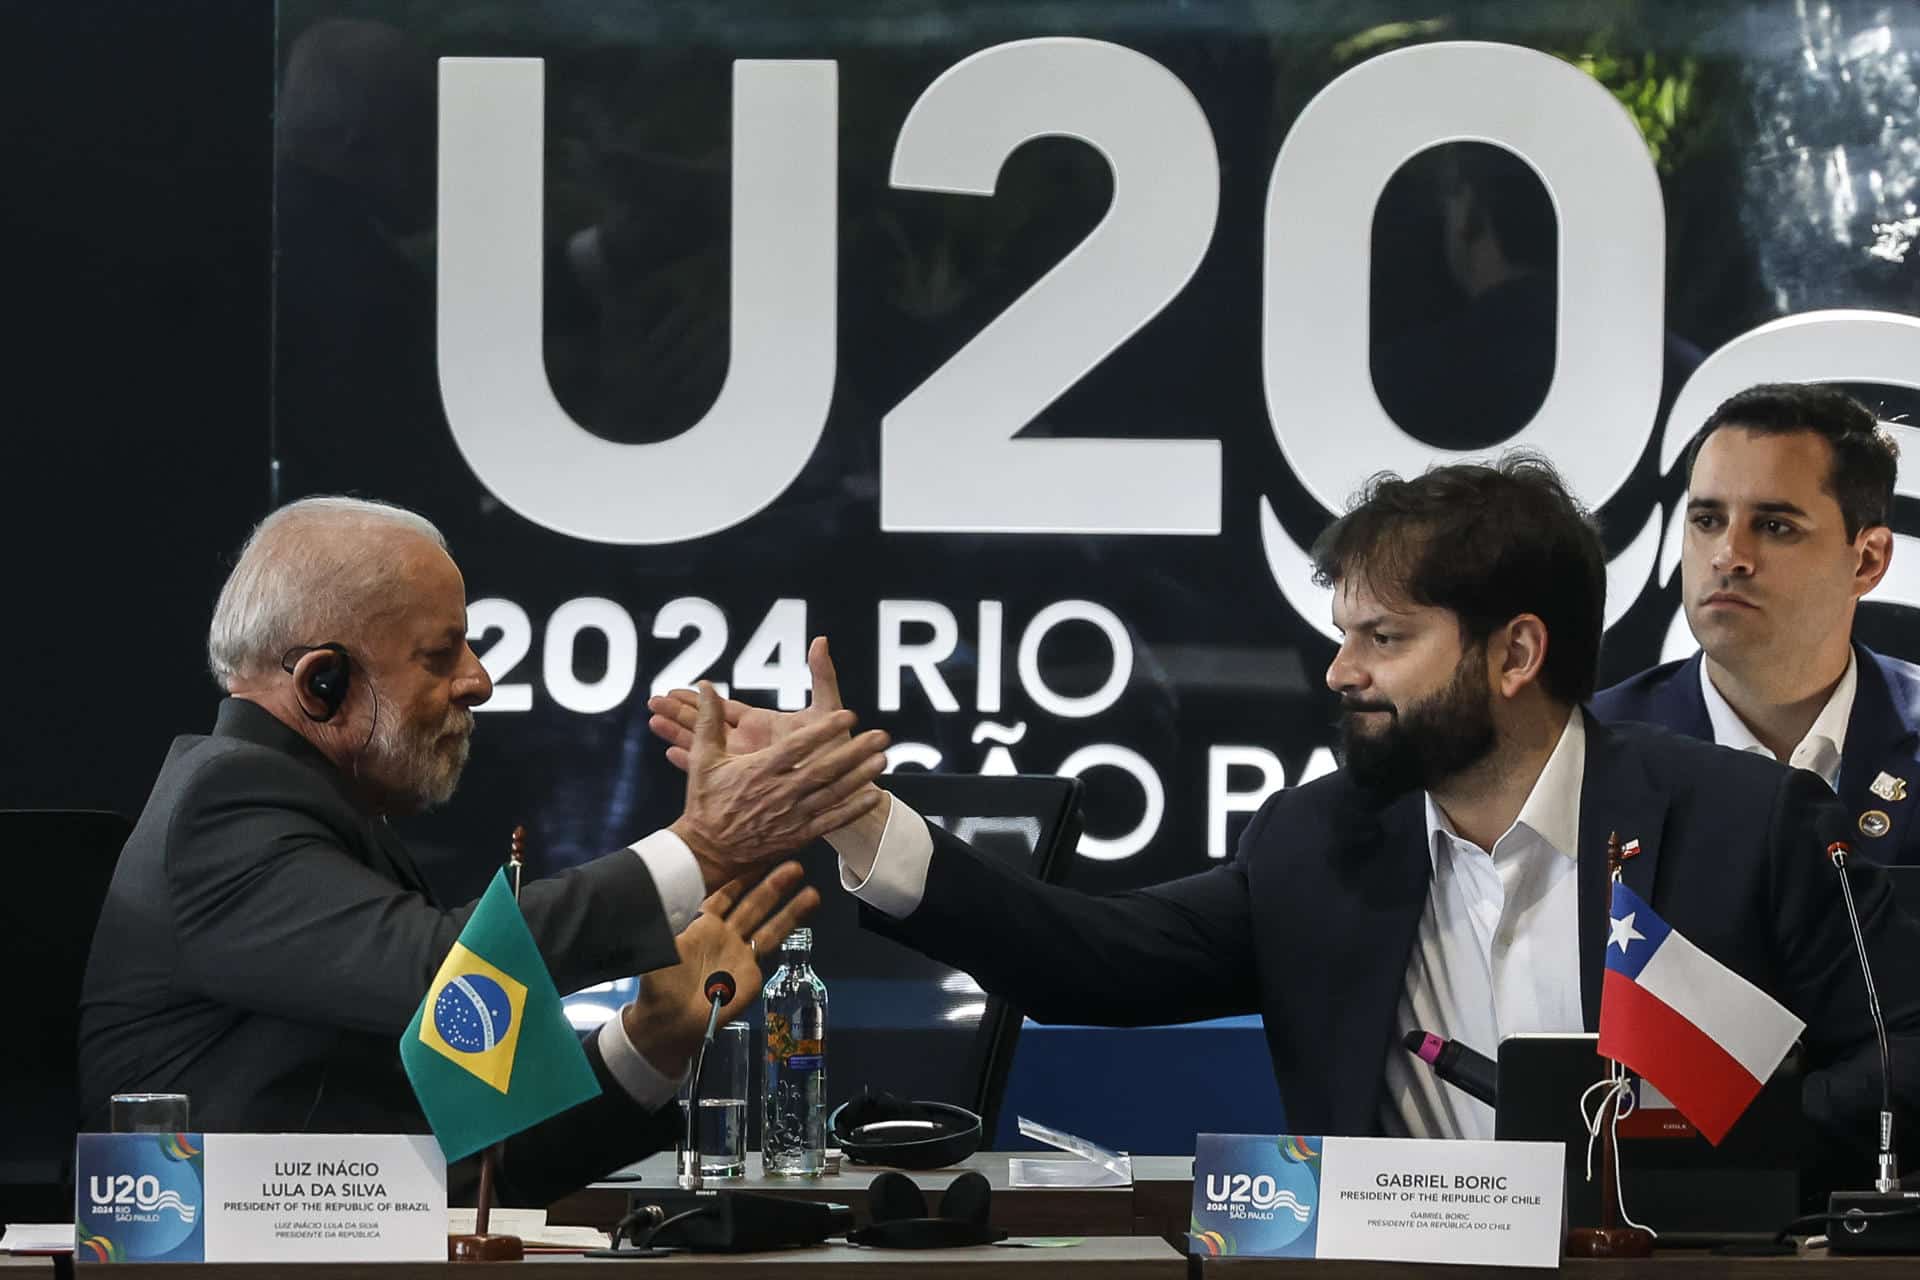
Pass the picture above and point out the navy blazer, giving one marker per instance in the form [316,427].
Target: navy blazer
[1883,736]
[1312,922]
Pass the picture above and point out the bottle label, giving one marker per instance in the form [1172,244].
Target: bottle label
[784,1050]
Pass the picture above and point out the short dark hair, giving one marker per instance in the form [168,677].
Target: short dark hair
[1865,459]
[1488,542]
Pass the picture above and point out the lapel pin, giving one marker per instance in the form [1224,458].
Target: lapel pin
[1889,788]
[1875,823]
[1630,849]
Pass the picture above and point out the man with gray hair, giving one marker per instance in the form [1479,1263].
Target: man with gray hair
[267,936]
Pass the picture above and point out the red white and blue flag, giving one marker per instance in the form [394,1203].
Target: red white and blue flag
[1697,1031]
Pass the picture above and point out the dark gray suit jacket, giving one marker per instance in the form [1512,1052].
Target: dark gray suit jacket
[264,945]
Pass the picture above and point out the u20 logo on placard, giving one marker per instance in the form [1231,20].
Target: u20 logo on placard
[1260,1192]
[144,1194]
[139,1197]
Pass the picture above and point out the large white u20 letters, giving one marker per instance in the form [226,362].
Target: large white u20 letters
[1600,406]
[493,379]
[949,460]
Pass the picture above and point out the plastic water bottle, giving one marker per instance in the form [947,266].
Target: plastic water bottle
[793,1132]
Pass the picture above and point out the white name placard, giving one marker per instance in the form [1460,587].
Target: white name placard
[259,1197]
[1386,1199]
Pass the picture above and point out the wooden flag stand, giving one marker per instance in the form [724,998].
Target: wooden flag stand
[482,1246]
[1613,1238]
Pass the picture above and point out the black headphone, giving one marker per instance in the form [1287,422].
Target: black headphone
[329,683]
[900,1219]
[879,1128]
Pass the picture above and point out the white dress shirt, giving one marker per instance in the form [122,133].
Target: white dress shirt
[677,878]
[1818,752]
[1496,953]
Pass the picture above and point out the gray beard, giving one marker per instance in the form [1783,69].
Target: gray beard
[413,765]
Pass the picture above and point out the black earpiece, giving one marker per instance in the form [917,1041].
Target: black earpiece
[893,1197]
[900,1221]
[969,1199]
[329,684]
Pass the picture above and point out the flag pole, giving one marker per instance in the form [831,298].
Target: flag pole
[483,1203]
[482,1246]
[1610,1239]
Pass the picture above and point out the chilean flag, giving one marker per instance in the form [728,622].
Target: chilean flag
[1697,1031]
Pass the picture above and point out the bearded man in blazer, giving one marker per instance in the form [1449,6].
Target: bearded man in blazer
[1452,875]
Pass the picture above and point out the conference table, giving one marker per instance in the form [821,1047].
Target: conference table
[1122,1258]
[1157,1204]
[1154,1210]
[1095,1233]
[1110,1258]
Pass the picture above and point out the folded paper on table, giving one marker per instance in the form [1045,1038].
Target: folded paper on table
[37,1237]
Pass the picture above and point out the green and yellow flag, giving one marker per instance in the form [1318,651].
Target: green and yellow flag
[490,1051]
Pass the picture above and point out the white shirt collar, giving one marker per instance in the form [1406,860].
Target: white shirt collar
[1552,810]
[1818,752]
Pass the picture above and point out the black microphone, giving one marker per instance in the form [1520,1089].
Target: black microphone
[1889,1174]
[719,1221]
[1471,1072]
[720,988]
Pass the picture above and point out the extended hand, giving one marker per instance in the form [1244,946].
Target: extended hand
[749,728]
[667,1021]
[767,782]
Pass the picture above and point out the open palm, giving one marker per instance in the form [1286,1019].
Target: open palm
[749,728]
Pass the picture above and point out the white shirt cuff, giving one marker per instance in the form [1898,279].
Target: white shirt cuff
[640,1078]
[897,879]
[676,876]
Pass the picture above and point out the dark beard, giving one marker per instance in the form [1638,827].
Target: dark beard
[1427,742]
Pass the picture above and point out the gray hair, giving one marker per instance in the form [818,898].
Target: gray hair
[309,573]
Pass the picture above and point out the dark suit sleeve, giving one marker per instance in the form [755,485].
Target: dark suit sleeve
[275,914]
[1174,952]
[580,1145]
[1820,967]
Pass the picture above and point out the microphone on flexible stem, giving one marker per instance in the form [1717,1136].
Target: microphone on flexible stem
[720,989]
[1889,1173]
[721,1221]
[1471,1072]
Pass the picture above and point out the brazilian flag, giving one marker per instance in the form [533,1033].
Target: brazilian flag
[490,1051]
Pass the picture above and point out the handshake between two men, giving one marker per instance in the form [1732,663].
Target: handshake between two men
[760,784]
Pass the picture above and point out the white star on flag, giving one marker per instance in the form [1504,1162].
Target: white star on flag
[1621,930]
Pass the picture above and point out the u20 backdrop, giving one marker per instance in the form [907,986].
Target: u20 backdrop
[1022,348]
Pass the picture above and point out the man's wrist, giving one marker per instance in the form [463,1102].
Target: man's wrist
[667,1047]
[871,826]
[858,842]
[712,869]
[679,877]
[695,839]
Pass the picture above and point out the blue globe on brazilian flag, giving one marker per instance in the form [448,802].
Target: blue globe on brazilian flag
[490,1051]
